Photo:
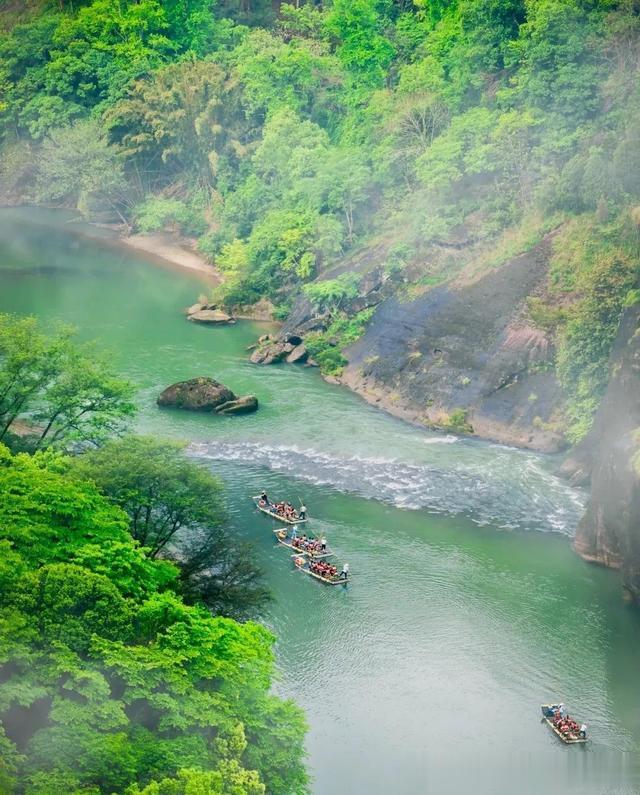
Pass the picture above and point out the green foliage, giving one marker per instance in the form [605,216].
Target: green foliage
[107,678]
[182,123]
[176,510]
[76,167]
[157,213]
[328,295]
[229,778]
[69,391]
[287,139]
[59,66]
[601,264]
[326,346]
[457,422]
[358,28]
[544,316]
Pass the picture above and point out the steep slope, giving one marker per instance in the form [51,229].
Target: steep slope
[465,354]
[609,533]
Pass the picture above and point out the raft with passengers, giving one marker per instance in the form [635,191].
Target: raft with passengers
[563,725]
[321,570]
[306,545]
[282,511]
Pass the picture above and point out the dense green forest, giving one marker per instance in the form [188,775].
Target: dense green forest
[108,678]
[288,137]
[123,663]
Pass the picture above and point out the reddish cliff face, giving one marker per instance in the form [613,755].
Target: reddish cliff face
[609,532]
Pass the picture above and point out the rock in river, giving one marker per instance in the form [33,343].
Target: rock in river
[243,405]
[271,352]
[298,354]
[211,316]
[197,394]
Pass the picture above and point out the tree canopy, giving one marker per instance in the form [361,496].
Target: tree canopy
[68,392]
[176,511]
[109,682]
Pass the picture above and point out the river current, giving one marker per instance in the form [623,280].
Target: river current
[467,609]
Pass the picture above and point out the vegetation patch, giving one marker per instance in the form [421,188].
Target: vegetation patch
[457,422]
[326,346]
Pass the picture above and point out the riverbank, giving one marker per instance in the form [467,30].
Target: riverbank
[170,249]
[162,248]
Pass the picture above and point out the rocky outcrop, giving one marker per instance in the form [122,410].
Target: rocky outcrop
[206,394]
[609,532]
[212,317]
[288,346]
[197,394]
[298,355]
[209,314]
[271,350]
[466,350]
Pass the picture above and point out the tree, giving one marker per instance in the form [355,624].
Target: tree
[86,403]
[70,390]
[330,294]
[66,603]
[557,69]
[298,75]
[182,122]
[77,167]
[176,510]
[107,678]
[28,363]
[361,45]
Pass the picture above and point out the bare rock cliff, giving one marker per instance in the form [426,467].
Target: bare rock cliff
[466,354]
[609,532]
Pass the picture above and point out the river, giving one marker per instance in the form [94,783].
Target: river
[467,608]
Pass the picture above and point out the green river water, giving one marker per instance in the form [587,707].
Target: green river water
[467,608]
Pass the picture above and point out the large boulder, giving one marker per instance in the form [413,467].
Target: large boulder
[211,316]
[243,405]
[197,394]
[272,352]
[298,355]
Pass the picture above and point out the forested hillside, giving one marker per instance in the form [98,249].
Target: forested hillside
[428,139]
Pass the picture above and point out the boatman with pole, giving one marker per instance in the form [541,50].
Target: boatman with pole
[344,574]
[303,511]
[323,544]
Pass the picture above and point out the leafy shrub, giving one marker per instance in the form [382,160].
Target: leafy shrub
[457,422]
[330,294]
[157,213]
[325,347]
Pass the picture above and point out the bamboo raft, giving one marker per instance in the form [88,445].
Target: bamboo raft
[286,542]
[570,739]
[304,567]
[277,516]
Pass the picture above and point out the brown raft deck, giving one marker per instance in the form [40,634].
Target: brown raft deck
[286,542]
[570,739]
[305,568]
[277,516]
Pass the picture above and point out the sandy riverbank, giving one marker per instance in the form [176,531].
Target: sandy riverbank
[163,246]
